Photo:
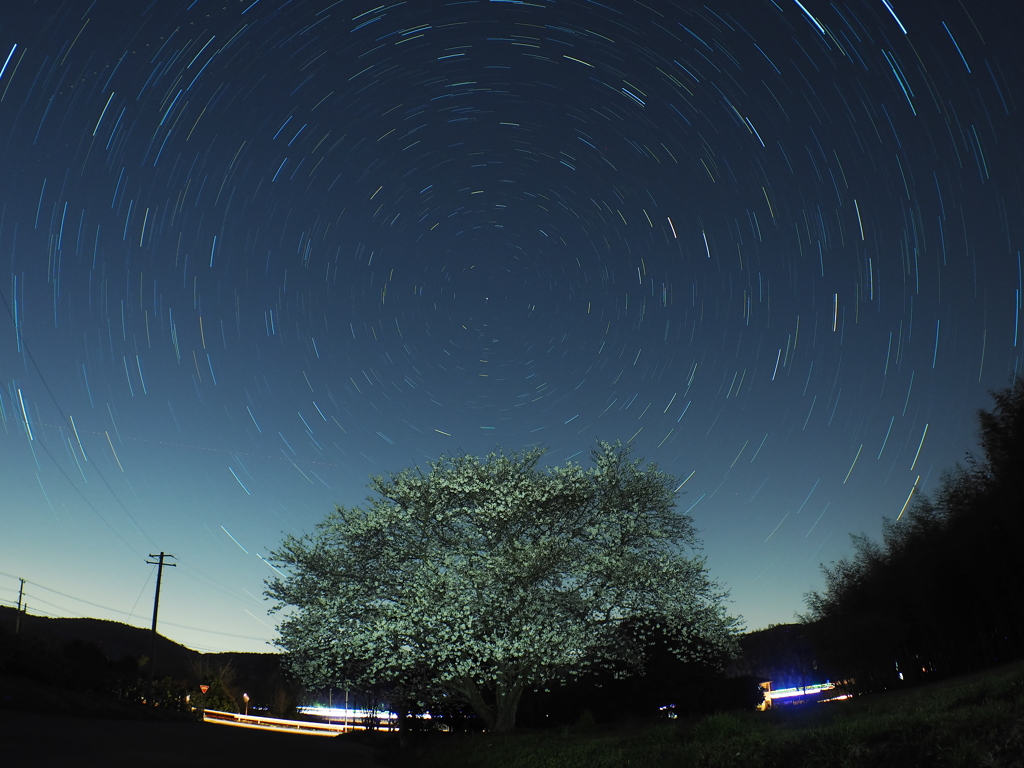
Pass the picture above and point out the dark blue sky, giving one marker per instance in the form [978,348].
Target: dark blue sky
[255,252]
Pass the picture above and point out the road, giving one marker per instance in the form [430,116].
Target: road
[40,741]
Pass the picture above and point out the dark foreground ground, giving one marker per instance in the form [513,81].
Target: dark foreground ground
[39,741]
[967,722]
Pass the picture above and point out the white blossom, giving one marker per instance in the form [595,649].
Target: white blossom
[495,574]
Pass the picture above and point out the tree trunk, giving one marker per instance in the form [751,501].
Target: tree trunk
[404,742]
[501,717]
[507,704]
[476,701]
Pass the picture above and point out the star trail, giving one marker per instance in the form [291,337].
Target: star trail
[255,252]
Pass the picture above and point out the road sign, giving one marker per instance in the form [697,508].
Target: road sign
[204,688]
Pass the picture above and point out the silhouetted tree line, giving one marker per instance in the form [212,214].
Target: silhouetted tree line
[648,681]
[942,592]
[74,665]
[80,666]
[783,654]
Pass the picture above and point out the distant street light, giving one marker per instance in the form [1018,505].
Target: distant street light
[246,697]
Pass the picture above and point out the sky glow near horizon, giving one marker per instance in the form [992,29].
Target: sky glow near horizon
[256,252]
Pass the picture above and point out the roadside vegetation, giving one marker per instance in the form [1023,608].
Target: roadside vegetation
[89,667]
[973,722]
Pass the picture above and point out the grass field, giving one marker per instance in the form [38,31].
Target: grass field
[970,722]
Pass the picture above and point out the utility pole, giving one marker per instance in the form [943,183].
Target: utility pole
[17,616]
[156,608]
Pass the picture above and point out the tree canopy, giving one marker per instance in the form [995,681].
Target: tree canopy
[484,577]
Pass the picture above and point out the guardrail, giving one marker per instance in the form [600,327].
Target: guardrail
[274,723]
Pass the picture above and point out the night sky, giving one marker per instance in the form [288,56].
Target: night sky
[254,252]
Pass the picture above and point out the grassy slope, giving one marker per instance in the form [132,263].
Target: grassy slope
[975,722]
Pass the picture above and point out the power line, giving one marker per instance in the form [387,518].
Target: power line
[78,599]
[75,614]
[28,352]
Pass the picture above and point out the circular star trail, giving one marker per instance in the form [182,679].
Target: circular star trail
[256,252]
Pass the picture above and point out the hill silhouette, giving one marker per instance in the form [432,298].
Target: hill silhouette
[55,662]
[114,639]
